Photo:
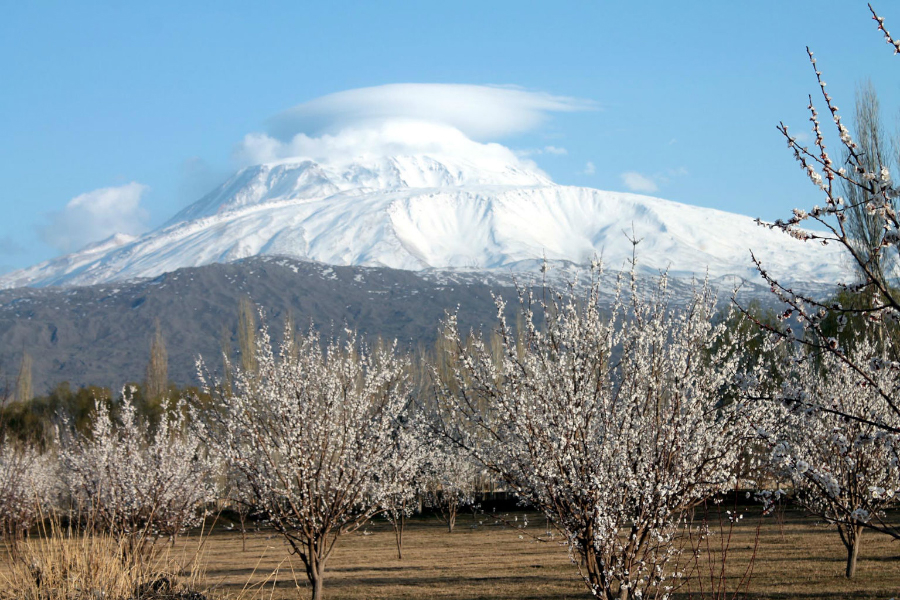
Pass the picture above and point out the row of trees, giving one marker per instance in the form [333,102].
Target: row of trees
[614,423]
[315,440]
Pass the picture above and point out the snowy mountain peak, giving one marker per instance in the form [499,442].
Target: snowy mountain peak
[462,206]
[298,179]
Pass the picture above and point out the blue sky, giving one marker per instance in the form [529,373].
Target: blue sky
[156,97]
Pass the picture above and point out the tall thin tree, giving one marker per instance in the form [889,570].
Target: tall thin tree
[865,226]
[24,391]
[158,367]
[247,335]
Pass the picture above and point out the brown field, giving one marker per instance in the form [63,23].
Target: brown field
[796,560]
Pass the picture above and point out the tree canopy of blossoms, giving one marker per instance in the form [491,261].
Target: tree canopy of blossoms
[319,435]
[131,479]
[845,471]
[28,487]
[610,422]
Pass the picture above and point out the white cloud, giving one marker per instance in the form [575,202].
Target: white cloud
[636,182]
[555,150]
[480,112]
[95,216]
[391,138]
[589,168]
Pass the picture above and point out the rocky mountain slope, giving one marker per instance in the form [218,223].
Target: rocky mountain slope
[101,334]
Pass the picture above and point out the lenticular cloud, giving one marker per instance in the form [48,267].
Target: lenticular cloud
[480,112]
[390,120]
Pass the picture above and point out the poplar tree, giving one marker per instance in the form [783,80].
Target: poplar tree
[247,335]
[866,227]
[24,391]
[158,367]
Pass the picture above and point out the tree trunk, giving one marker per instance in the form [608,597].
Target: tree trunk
[451,520]
[318,592]
[593,569]
[314,560]
[854,535]
[398,525]
[316,576]
[243,517]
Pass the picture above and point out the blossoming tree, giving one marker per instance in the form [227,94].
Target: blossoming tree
[842,470]
[838,414]
[611,423]
[873,201]
[405,476]
[134,480]
[28,488]
[318,435]
[452,481]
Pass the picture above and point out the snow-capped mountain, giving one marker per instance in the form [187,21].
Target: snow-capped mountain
[425,210]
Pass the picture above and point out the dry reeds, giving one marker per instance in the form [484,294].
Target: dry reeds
[65,564]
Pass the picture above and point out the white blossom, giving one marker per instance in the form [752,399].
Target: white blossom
[135,481]
[27,487]
[320,435]
[612,424]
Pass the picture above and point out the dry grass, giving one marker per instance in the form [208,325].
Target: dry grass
[487,562]
[64,565]
[805,560]
[799,560]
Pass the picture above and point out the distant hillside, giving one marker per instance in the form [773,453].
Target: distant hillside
[101,334]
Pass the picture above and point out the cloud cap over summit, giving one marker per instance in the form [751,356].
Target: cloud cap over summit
[483,113]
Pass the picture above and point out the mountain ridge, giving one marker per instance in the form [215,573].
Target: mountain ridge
[100,334]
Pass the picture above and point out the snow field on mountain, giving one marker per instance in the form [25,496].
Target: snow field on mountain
[436,212]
